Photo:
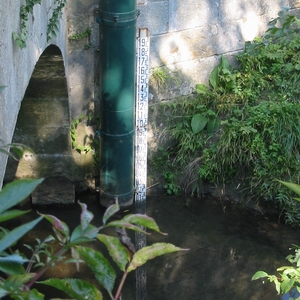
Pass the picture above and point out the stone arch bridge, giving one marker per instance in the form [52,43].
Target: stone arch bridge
[48,84]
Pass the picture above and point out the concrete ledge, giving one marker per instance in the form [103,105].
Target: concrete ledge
[54,191]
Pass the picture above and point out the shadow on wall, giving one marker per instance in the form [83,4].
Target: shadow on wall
[43,123]
[199,32]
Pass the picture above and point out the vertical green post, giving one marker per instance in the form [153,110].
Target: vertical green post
[117,52]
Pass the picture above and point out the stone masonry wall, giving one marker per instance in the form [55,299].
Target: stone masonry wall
[18,64]
[188,37]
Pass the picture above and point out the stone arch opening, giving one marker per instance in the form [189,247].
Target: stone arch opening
[43,124]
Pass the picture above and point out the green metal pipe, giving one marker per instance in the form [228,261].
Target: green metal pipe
[117,52]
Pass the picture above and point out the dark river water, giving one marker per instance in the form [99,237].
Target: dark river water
[226,247]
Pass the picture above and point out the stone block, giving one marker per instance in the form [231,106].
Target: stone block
[84,166]
[46,112]
[184,77]
[80,7]
[81,68]
[155,17]
[38,166]
[183,46]
[192,14]
[49,141]
[54,191]
[82,100]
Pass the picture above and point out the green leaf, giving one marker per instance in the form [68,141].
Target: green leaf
[143,220]
[201,89]
[86,216]
[116,250]
[286,285]
[198,123]
[79,241]
[111,210]
[79,149]
[292,186]
[224,63]
[277,284]
[32,294]
[125,224]
[18,151]
[12,264]
[150,252]
[59,227]
[11,214]
[75,288]
[2,88]
[214,77]
[14,235]
[259,274]
[88,234]
[14,282]
[103,271]
[16,191]
[213,125]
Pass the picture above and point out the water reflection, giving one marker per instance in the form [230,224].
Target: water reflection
[226,249]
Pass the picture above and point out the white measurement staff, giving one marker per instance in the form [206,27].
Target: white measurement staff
[141,148]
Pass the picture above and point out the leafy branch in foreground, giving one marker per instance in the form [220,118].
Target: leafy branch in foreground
[73,248]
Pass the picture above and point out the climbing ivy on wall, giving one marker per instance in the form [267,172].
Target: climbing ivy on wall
[27,9]
[56,15]
[91,142]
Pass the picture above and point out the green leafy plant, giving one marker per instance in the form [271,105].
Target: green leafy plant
[160,75]
[288,277]
[84,34]
[18,281]
[92,142]
[169,184]
[74,126]
[244,126]
[81,35]
[11,262]
[162,157]
[221,78]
